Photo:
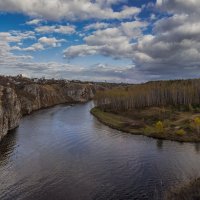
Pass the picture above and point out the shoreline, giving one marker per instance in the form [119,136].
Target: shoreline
[22,96]
[189,191]
[44,108]
[119,122]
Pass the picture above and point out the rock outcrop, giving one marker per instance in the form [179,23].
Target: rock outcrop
[10,110]
[34,96]
[21,98]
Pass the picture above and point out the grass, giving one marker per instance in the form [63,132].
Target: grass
[161,123]
[112,120]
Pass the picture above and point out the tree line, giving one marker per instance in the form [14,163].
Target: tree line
[158,93]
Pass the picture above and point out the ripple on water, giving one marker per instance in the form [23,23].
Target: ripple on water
[65,153]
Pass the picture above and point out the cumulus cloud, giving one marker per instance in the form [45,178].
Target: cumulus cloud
[175,45]
[34,22]
[12,64]
[33,47]
[50,41]
[70,29]
[7,40]
[16,36]
[42,44]
[170,50]
[96,26]
[96,72]
[114,42]
[179,6]
[7,57]
[13,40]
[133,29]
[68,9]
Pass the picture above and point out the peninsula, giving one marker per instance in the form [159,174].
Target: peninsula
[161,109]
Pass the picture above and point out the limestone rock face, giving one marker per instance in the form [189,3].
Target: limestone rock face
[17,100]
[10,110]
[79,92]
[35,96]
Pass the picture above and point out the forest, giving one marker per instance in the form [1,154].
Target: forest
[176,93]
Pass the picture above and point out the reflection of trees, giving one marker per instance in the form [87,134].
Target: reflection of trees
[159,144]
[197,147]
[7,146]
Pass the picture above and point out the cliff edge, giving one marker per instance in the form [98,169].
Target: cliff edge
[20,96]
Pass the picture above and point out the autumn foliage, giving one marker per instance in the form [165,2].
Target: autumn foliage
[197,124]
[158,93]
[159,127]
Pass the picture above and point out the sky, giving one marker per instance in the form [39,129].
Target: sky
[100,40]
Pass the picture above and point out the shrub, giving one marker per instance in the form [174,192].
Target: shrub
[149,130]
[180,132]
[197,123]
[159,127]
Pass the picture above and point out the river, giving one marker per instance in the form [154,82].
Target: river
[64,153]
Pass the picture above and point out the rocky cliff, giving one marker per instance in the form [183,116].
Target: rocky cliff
[18,98]
[35,96]
[10,110]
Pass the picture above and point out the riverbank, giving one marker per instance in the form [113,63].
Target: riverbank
[190,191]
[160,123]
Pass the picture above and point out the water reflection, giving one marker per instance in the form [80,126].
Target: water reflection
[65,153]
[159,144]
[197,147]
[7,146]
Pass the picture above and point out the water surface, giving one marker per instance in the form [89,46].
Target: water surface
[65,153]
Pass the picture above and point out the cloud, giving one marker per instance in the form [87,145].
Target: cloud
[133,29]
[13,64]
[33,47]
[53,42]
[96,72]
[96,26]
[7,57]
[167,47]
[16,36]
[172,50]
[14,41]
[42,44]
[7,39]
[114,42]
[56,29]
[179,6]
[68,9]
[34,22]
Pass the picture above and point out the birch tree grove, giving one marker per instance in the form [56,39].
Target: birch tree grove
[158,93]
